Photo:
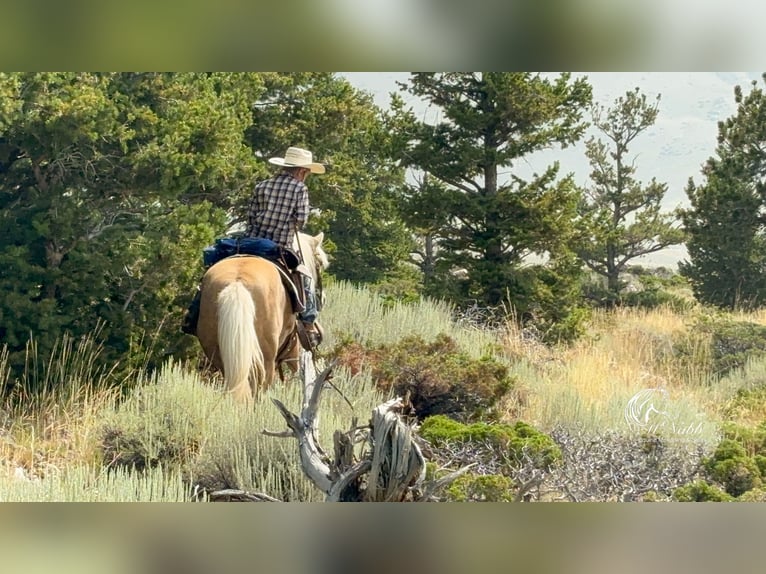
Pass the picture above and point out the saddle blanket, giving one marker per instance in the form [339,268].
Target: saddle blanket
[266,248]
[285,260]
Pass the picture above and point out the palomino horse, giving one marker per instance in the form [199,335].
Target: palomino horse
[246,321]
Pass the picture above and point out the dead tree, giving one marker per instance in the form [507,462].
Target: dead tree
[390,467]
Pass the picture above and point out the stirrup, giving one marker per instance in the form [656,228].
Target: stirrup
[309,339]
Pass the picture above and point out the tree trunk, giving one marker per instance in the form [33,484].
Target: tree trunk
[391,467]
[54,255]
[428,266]
[613,282]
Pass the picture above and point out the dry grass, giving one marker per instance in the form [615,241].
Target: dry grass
[78,442]
[588,385]
[44,432]
[626,351]
[53,436]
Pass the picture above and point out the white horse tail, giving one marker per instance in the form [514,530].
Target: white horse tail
[237,341]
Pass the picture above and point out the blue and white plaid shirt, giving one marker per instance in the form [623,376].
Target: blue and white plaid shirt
[279,207]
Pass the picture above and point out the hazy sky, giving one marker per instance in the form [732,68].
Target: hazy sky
[673,150]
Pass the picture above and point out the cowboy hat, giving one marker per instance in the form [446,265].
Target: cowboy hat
[298,157]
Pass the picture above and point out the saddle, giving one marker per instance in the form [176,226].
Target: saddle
[286,261]
[266,248]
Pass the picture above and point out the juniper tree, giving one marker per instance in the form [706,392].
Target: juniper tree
[96,170]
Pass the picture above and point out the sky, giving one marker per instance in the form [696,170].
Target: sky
[672,150]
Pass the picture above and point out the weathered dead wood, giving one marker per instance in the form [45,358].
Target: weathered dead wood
[314,461]
[233,495]
[390,468]
[397,463]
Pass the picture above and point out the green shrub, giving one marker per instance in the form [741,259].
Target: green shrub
[731,467]
[440,429]
[149,429]
[754,495]
[747,403]
[480,488]
[510,442]
[654,297]
[700,491]
[656,288]
[717,345]
[401,285]
[438,376]
[736,342]
[752,440]
[760,462]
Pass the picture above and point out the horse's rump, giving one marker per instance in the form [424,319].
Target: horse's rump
[227,322]
[222,307]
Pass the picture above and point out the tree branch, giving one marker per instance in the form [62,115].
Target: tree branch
[393,462]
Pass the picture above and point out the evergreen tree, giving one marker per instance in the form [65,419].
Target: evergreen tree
[426,216]
[725,223]
[496,220]
[96,174]
[622,218]
[356,200]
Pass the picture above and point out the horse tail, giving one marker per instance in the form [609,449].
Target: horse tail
[241,353]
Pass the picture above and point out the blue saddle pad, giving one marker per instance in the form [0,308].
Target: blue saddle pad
[228,246]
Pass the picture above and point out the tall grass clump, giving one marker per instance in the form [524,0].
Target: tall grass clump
[590,383]
[49,415]
[72,372]
[358,314]
[175,421]
[81,483]
[742,393]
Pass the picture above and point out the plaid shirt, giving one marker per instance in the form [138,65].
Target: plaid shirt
[278,208]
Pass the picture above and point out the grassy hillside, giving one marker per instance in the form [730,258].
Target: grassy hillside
[175,433]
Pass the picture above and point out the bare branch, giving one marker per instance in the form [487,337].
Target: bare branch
[233,495]
[432,489]
[393,461]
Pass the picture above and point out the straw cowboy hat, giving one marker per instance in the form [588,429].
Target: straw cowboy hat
[298,157]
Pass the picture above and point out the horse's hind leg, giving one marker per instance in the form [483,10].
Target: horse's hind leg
[269,374]
[291,357]
[269,347]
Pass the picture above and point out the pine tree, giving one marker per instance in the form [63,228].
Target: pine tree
[621,216]
[725,223]
[95,171]
[490,121]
